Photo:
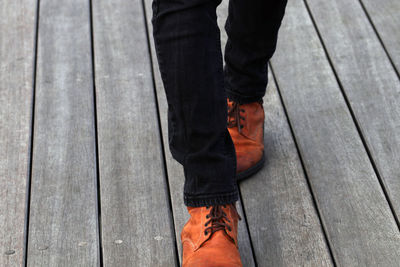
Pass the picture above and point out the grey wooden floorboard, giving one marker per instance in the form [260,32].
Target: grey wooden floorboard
[360,226]
[386,19]
[175,170]
[369,81]
[17,33]
[283,222]
[63,217]
[136,222]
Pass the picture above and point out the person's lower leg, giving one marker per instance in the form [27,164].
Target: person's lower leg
[189,55]
[188,50]
[252,29]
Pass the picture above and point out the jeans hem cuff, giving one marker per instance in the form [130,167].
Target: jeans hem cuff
[241,99]
[202,201]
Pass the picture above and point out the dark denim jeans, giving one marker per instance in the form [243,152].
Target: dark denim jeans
[187,40]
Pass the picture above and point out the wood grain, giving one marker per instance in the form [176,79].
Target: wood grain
[369,82]
[283,221]
[17,50]
[136,221]
[360,226]
[63,227]
[385,17]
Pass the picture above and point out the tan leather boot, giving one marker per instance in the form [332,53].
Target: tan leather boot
[209,238]
[246,126]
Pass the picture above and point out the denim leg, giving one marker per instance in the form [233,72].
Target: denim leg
[187,41]
[252,28]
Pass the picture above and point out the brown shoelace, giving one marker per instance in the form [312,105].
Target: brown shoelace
[218,220]
[234,116]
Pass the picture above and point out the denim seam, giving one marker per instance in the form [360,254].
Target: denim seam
[165,82]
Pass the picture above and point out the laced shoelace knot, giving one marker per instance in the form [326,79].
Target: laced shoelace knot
[218,220]
[234,116]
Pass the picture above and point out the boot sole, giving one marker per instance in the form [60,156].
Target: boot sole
[251,171]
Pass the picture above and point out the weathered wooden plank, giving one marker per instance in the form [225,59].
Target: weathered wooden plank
[63,228]
[369,81]
[17,33]
[136,222]
[283,223]
[175,170]
[385,17]
[360,226]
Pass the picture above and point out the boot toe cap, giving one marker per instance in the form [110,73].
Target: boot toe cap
[220,252]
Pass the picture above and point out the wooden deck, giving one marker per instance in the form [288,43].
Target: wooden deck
[86,176]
